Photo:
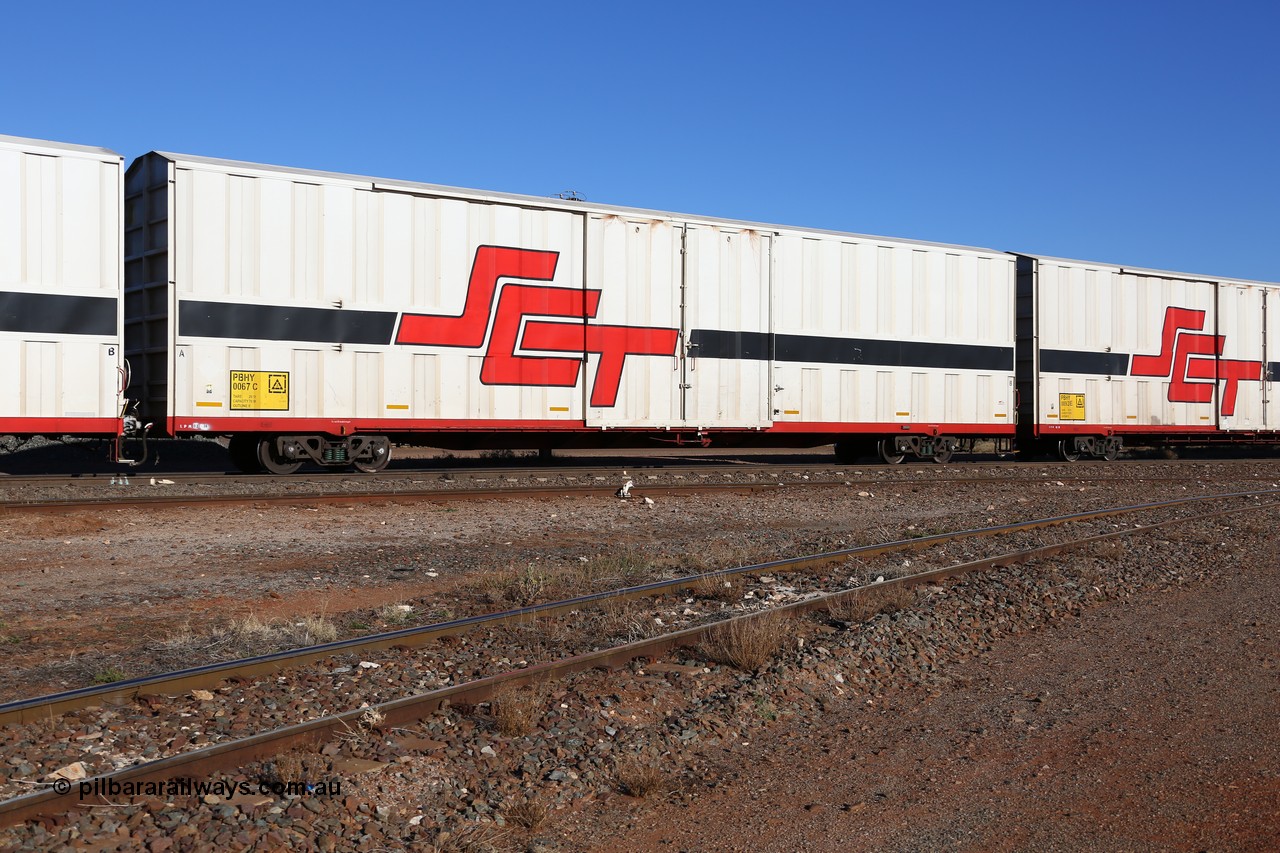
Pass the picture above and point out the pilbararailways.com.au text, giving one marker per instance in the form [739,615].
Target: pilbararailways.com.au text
[225,788]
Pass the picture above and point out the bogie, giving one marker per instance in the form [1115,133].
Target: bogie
[285,454]
[1097,447]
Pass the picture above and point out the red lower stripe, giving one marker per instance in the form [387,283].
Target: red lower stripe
[355,425]
[1126,429]
[880,428]
[61,426]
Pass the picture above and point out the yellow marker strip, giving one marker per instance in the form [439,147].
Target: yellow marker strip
[1132,417]
[791,411]
[1204,417]
[396,406]
[206,405]
[1050,416]
[559,408]
[902,414]
[1001,415]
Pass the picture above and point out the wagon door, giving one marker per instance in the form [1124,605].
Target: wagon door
[1242,359]
[680,335]
[634,264]
[726,369]
[1270,357]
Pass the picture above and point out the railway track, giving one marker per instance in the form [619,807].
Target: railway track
[49,493]
[239,752]
[249,668]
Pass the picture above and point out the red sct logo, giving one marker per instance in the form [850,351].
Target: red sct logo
[572,336]
[1186,357]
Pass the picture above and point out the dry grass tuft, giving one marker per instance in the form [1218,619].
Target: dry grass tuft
[557,633]
[253,634]
[517,710]
[615,569]
[528,814]
[868,602]
[720,554]
[396,614]
[520,585]
[296,766]
[718,588]
[365,729]
[748,644]
[533,583]
[471,839]
[639,776]
[317,629]
[623,621]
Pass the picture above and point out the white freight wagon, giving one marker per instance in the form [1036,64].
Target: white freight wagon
[1107,352]
[321,316]
[62,366]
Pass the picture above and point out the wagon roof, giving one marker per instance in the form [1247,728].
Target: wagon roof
[545,202]
[1143,271]
[26,142]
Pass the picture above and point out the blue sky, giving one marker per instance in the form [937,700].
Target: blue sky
[1144,133]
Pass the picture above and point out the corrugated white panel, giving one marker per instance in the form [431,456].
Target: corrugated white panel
[1089,312]
[278,239]
[369,384]
[60,209]
[307,380]
[1241,390]
[726,288]
[851,303]
[1271,355]
[676,340]
[10,380]
[637,267]
[59,222]
[672,283]
[40,380]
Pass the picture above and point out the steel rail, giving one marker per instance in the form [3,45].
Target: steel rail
[244,669]
[677,464]
[663,465]
[392,476]
[834,477]
[232,754]
[120,502]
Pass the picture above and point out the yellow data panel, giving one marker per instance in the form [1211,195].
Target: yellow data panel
[259,390]
[1070,407]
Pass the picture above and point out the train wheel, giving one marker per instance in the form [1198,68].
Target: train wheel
[243,451]
[942,453]
[272,461]
[1111,453]
[1067,451]
[381,456]
[887,448]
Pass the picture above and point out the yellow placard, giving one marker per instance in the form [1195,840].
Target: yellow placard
[259,390]
[1070,407]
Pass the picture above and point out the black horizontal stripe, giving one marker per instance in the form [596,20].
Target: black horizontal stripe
[284,323]
[1076,361]
[712,343]
[57,314]
[706,343]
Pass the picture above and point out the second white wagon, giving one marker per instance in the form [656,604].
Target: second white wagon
[319,316]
